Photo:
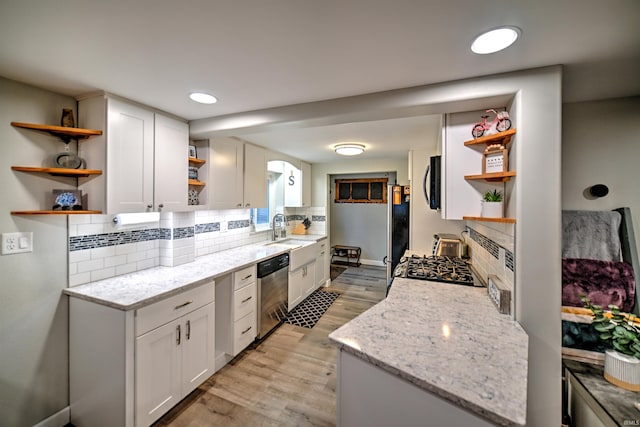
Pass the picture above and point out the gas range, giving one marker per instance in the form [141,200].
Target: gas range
[444,269]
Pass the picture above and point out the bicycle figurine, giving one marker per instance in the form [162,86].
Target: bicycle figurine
[501,120]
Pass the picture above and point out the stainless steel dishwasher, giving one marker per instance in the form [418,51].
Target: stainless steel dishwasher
[273,293]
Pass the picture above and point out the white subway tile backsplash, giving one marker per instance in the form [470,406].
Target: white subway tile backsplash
[104,273]
[77,256]
[91,265]
[79,279]
[113,261]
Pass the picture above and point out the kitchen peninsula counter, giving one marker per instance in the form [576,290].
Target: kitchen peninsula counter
[447,341]
[134,290]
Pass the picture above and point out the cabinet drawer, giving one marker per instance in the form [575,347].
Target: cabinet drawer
[245,331]
[161,312]
[244,277]
[244,301]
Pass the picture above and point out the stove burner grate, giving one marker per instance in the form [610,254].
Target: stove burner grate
[438,269]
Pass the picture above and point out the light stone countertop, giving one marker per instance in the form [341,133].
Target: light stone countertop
[134,290]
[481,365]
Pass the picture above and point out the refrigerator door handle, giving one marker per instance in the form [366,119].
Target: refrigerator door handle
[424,184]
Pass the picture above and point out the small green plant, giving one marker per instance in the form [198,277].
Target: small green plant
[492,196]
[619,331]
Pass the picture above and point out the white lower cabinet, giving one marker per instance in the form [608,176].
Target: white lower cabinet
[128,368]
[237,314]
[301,284]
[171,361]
[322,264]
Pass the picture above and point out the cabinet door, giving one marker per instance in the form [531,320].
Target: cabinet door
[198,358]
[129,158]
[321,272]
[308,279]
[171,164]
[255,177]
[226,174]
[292,185]
[295,288]
[158,386]
[305,169]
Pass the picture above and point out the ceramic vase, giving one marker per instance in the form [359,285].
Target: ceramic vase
[492,209]
[622,370]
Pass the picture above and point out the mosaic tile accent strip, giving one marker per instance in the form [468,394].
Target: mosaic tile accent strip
[165,234]
[207,228]
[243,223]
[296,217]
[183,233]
[508,259]
[92,241]
[493,248]
[319,218]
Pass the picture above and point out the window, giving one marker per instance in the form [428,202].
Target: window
[361,190]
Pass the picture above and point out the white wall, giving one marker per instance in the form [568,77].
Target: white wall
[33,312]
[601,145]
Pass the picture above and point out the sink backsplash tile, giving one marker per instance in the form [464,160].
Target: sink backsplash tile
[491,247]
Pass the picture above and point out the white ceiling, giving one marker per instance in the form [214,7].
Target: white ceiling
[256,54]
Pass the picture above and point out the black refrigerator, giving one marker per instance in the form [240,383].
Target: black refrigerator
[398,197]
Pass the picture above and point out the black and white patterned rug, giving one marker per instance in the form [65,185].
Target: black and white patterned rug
[309,311]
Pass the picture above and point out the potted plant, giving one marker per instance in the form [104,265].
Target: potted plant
[620,332]
[492,204]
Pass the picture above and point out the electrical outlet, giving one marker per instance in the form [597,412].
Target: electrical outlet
[17,243]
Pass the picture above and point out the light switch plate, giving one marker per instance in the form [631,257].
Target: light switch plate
[17,243]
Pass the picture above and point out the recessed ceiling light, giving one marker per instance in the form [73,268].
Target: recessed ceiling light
[349,149]
[203,98]
[495,40]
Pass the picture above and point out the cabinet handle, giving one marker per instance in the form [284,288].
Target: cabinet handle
[178,335]
[246,299]
[161,205]
[245,331]
[149,206]
[183,305]
[247,205]
[239,205]
[188,334]
[246,277]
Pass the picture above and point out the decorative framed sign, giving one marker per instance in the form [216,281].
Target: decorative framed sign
[495,161]
[192,151]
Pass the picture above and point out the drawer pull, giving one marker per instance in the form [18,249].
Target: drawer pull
[178,335]
[245,331]
[183,305]
[188,334]
[246,299]
[247,277]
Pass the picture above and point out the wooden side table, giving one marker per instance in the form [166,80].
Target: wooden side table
[345,255]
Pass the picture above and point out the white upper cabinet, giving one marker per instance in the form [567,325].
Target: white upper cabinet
[255,176]
[129,158]
[297,185]
[226,173]
[170,179]
[238,174]
[138,148]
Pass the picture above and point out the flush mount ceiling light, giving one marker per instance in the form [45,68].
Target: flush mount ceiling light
[203,98]
[495,40]
[349,149]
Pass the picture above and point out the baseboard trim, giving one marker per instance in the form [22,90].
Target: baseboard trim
[59,419]
[372,262]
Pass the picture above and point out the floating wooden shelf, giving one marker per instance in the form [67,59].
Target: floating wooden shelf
[196,161]
[58,171]
[496,138]
[480,218]
[492,177]
[196,183]
[60,131]
[54,212]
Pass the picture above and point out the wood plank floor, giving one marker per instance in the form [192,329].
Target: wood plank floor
[289,379]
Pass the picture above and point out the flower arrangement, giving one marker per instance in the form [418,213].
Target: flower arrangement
[619,331]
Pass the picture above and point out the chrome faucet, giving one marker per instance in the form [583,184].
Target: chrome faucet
[282,219]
